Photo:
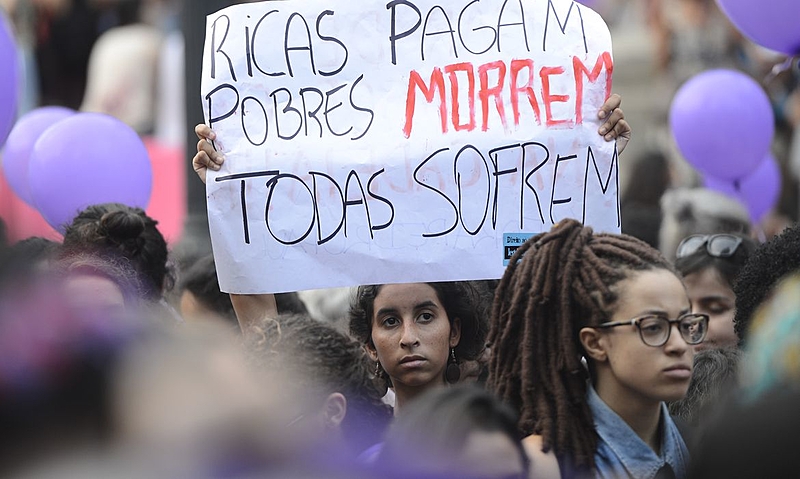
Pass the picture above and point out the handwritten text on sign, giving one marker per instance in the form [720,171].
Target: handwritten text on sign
[372,142]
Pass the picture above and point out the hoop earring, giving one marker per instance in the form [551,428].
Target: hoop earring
[381,379]
[453,373]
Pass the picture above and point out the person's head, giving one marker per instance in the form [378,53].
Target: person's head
[25,260]
[332,374]
[200,296]
[116,229]
[715,374]
[412,330]
[769,263]
[698,211]
[201,299]
[187,399]
[462,432]
[35,251]
[772,352]
[752,440]
[710,266]
[568,294]
[95,285]
[57,368]
[650,179]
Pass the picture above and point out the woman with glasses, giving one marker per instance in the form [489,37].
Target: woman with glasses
[590,335]
[710,266]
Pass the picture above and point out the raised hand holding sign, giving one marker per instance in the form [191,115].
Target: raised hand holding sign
[400,142]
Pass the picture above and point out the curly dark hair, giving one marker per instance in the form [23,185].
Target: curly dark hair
[460,300]
[715,374]
[556,283]
[766,266]
[119,230]
[118,272]
[323,356]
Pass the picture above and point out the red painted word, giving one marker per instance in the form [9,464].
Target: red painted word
[514,80]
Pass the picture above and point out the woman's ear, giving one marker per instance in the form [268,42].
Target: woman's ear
[334,410]
[594,344]
[455,332]
[371,351]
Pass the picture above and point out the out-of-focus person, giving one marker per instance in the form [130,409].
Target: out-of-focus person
[126,232]
[99,286]
[714,377]
[710,266]
[768,264]
[461,432]
[688,211]
[756,435]
[640,203]
[199,296]
[772,358]
[334,409]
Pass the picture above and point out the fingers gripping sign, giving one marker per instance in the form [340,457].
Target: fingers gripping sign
[402,149]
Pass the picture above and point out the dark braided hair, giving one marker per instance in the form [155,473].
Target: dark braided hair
[555,284]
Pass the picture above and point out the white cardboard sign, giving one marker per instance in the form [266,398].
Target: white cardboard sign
[401,141]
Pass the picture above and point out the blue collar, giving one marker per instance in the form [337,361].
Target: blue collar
[622,453]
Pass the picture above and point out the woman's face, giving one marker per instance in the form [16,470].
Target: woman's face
[710,294]
[411,334]
[633,369]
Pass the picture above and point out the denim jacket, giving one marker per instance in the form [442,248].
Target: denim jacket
[623,454]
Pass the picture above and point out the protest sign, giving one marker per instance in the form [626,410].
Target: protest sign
[371,142]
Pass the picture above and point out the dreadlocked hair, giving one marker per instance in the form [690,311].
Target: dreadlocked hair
[555,284]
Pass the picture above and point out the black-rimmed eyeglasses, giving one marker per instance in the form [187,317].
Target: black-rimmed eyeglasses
[718,246]
[655,330]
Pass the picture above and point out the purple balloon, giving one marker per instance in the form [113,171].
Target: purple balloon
[19,145]
[87,159]
[722,122]
[759,191]
[770,23]
[9,78]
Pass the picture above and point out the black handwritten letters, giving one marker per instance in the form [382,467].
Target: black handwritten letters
[531,165]
[471,117]
[307,110]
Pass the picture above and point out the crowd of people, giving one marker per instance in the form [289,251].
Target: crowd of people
[595,355]
[670,350]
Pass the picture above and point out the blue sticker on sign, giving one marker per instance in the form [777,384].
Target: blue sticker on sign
[512,241]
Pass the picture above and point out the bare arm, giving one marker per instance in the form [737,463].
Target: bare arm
[251,309]
[543,465]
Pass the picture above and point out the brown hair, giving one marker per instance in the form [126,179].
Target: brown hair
[555,284]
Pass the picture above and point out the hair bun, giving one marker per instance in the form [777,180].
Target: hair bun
[121,226]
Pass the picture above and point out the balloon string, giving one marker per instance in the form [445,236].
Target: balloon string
[779,68]
[760,235]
